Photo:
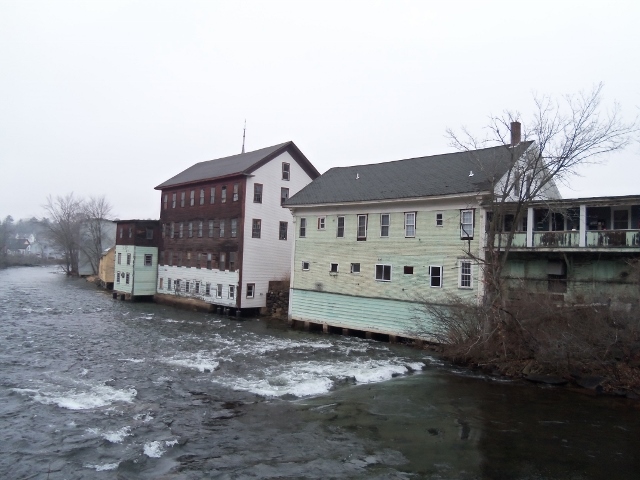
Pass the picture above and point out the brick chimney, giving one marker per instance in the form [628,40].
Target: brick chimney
[515,133]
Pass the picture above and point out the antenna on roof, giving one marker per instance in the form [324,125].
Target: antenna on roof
[243,133]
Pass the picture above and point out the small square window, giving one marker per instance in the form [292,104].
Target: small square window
[285,171]
[333,268]
[321,223]
[439,219]
[355,268]
[251,289]
[305,265]
[148,260]
[408,270]
[383,273]
[435,275]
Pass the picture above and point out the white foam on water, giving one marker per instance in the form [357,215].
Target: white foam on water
[96,396]
[168,320]
[153,449]
[117,436]
[202,361]
[171,443]
[104,467]
[132,360]
[144,417]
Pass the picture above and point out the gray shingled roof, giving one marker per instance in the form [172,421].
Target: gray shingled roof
[243,163]
[415,177]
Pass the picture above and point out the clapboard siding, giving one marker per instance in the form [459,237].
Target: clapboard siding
[268,258]
[359,313]
[144,277]
[204,276]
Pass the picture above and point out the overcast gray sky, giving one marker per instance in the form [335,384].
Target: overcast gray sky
[114,97]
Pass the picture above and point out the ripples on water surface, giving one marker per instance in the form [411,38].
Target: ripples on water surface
[96,388]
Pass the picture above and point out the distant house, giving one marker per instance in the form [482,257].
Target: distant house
[106,271]
[136,258]
[19,246]
[372,242]
[225,234]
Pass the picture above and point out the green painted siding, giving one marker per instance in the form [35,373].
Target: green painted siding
[359,313]
[145,277]
[432,246]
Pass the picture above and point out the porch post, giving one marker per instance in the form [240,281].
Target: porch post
[530,227]
[583,226]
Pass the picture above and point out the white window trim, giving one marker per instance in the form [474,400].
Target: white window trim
[338,226]
[253,290]
[613,210]
[408,224]
[366,227]
[462,235]
[351,268]
[308,265]
[322,222]
[337,270]
[375,272]
[441,276]
[442,219]
[460,262]
[388,225]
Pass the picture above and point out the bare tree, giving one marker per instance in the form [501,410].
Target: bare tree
[96,213]
[65,215]
[6,232]
[566,134]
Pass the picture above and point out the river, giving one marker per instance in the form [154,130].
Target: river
[92,387]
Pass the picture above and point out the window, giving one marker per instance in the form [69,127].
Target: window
[179,263]
[199,260]
[464,278]
[210,228]
[169,284]
[305,265]
[161,261]
[130,232]
[232,261]
[212,197]
[118,277]
[221,261]
[340,232]
[221,225]
[232,292]
[234,227]
[410,224]
[219,290]
[190,229]
[333,268]
[255,228]
[180,229]
[176,285]
[192,198]
[128,259]
[435,275]
[383,273]
[169,258]
[257,193]
[182,195]
[620,219]
[202,196]
[173,200]
[236,189]
[127,280]
[119,259]
[384,224]
[439,219]
[284,195]
[303,227]
[321,223]
[466,224]
[362,227]
[223,194]
[148,260]
[282,235]
[207,289]
[251,288]
[285,171]
[408,270]
[209,261]
[173,228]
[164,230]
[160,287]
[186,286]
[197,289]
[200,229]
[121,230]
[355,268]
[165,201]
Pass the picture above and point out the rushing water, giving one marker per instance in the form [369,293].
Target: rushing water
[91,387]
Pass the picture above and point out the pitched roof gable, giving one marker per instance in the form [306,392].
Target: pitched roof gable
[241,164]
[436,175]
